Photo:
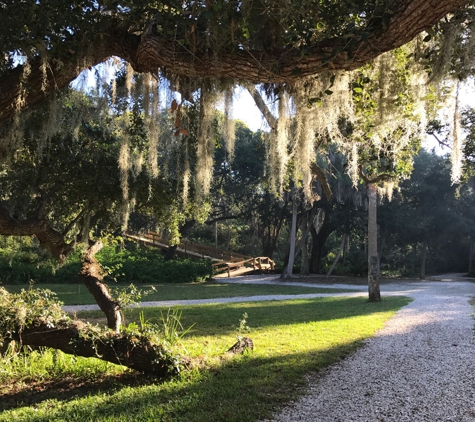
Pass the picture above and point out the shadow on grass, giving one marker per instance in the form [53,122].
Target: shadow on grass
[68,388]
[244,389]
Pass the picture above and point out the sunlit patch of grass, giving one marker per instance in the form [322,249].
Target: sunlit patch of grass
[291,339]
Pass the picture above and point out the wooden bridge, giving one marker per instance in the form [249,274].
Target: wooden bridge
[225,263]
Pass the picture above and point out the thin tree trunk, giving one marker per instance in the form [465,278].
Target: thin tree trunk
[342,245]
[287,273]
[422,268]
[470,259]
[374,292]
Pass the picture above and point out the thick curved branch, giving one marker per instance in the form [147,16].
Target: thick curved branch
[345,53]
[49,238]
[382,177]
[61,71]
[319,174]
[151,52]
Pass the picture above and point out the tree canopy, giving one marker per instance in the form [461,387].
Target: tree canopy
[254,41]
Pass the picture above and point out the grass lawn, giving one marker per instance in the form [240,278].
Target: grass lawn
[291,338]
[77,294]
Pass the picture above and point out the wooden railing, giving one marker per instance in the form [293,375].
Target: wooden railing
[260,264]
[228,262]
[195,248]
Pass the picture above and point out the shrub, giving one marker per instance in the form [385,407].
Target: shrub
[122,264]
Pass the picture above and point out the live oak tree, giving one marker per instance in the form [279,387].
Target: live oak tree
[301,50]
[206,47]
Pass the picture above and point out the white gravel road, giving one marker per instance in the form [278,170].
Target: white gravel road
[420,367]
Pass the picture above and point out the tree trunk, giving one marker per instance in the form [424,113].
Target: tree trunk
[470,259]
[422,268]
[307,220]
[373,266]
[287,273]
[91,275]
[170,252]
[340,250]
[318,246]
[77,339]
[304,266]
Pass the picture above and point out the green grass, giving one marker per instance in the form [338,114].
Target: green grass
[291,339]
[77,294]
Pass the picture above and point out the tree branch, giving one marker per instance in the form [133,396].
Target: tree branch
[262,106]
[442,143]
[49,238]
[382,177]
[320,176]
[151,52]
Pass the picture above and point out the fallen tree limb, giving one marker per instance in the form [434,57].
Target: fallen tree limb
[81,339]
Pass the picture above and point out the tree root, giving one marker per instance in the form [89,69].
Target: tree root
[241,346]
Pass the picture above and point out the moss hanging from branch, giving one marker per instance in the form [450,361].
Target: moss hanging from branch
[277,148]
[229,122]
[206,141]
[303,150]
[457,146]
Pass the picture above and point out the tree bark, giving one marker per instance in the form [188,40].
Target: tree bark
[304,266]
[373,262]
[318,246]
[49,238]
[74,338]
[151,52]
[470,259]
[307,221]
[422,268]
[170,252]
[287,273]
[91,275]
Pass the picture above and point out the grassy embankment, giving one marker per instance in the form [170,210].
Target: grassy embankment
[292,338]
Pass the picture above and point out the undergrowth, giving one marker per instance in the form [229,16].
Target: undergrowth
[124,263]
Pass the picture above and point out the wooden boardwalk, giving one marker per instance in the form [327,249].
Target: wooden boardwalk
[225,263]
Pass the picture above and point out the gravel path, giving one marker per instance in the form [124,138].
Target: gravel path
[420,367]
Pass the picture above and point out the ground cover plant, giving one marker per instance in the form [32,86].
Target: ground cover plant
[77,294]
[124,263]
[290,338]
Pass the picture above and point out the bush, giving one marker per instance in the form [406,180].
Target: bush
[149,266]
[123,264]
